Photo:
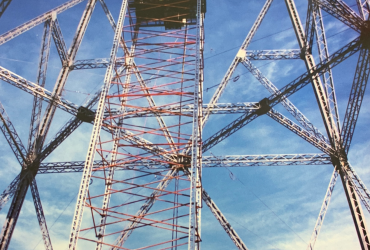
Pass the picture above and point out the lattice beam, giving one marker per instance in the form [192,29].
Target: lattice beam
[36,21]
[355,98]
[273,54]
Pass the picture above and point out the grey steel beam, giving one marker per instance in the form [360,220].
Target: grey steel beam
[95,63]
[355,98]
[223,221]
[59,42]
[306,135]
[188,109]
[40,214]
[36,21]
[35,89]
[273,54]
[250,54]
[108,14]
[41,80]
[207,162]
[324,208]
[289,106]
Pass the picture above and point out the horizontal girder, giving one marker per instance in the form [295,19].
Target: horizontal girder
[207,162]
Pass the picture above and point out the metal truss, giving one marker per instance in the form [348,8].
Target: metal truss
[223,221]
[94,63]
[40,215]
[355,98]
[167,152]
[273,54]
[207,162]
[36,21]
[324,208]
[285,102]
[306,135]
[35,89]
[59,42]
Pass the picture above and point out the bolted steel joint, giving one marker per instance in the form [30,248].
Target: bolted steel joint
[264,106]
[85,114]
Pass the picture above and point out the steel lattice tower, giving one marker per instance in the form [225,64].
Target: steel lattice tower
[142,182]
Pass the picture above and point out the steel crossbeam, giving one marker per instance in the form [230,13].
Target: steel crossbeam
[289,106]
[355,98]
[35,89]
[207,162]
[223,221]
[318,142]
[188,109]
[265,160]
[94,63]
[273,54]
[59,41]
[250,54]
[108,14]
[3,6]
[36,21]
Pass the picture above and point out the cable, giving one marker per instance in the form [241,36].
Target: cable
[236,178]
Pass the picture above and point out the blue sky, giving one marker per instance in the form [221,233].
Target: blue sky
[269,207]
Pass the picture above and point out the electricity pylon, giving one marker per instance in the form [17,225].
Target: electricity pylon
[141,185]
